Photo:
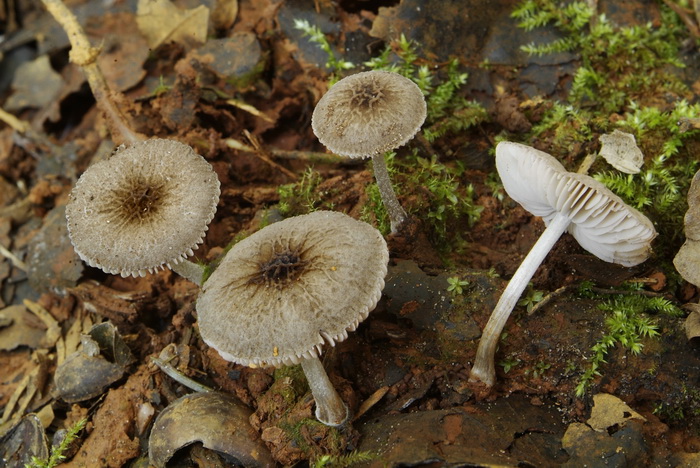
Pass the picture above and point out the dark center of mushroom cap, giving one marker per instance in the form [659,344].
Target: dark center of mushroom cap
[138,200]
[367,95]
[281,268]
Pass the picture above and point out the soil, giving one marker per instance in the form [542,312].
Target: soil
[404,373]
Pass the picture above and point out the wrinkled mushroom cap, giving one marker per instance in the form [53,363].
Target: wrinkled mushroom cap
[600,221]
[369,113]
[283,292]
[145,207]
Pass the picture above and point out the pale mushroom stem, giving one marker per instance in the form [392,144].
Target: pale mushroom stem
[397,215]
[484,369]
[189,270]
[330,408]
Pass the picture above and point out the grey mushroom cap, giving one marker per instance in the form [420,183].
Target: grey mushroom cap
[601,222]
[282,293]
[146,207]
[369,113]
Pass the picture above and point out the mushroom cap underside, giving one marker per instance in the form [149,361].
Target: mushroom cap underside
[147,206]
[283,292]
[369,113]
[601,222]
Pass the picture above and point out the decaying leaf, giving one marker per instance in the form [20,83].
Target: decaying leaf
[692,321]
[217,420]
[608,411]
[620,150]
[24,441]
[36,85]
[102,361]
[687,260]
[224,13]
[20,331]
[161,21]
[53,329]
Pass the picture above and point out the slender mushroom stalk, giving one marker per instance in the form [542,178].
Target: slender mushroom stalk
[484,369]
[331,410]
[599,220]
[284,292]
[397,215]
[367,114]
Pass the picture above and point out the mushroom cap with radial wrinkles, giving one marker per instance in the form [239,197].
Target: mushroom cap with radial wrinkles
[601,222]
[295,285]
[147,206]
[369,113]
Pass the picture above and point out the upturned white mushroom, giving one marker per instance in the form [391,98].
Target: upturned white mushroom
[598,219]
[367,114]
[146,207]
[284,292]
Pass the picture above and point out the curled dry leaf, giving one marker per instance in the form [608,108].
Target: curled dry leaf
[161,21]
[218,421]
[687,259]
[620,150]
[692,321]
[608,410]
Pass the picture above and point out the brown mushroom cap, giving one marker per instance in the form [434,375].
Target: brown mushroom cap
[601,222]
[283,292]
[368,113]
[145,207]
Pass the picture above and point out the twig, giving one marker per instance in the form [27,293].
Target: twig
[548,298]
[310,156]
[178,376]
[13,258]
[250,109]
[261,153]
[686,17]
[85,56]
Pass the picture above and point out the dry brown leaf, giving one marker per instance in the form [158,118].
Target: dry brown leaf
[687,260]
[692,321]
[620,150]
[224,13]
[608,410]
[161,21]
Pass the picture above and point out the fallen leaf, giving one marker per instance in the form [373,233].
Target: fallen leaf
[224,13]
[620,150]
[161,21]
[608,410]
[692,322]
[687,260]
[36,85]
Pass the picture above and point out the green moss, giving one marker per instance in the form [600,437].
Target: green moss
[621,75]
[627,325]
[303,196]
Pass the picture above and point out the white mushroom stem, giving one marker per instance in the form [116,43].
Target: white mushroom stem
[189,270]
[397,215]
[330,408]
[484,369]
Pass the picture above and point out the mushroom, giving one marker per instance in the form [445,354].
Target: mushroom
[367,114]
[145,207]
[599,220]
[282,293]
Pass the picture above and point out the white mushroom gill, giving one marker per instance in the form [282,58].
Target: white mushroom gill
[599,220]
